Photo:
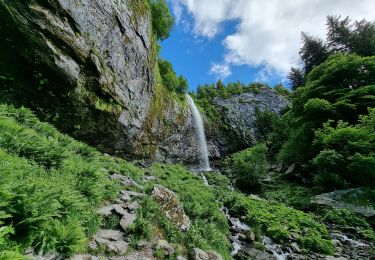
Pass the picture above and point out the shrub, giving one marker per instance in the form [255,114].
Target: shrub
[347,218]
[50,186]
[170,79]
[162,19]
[279,222]
[209,227]
[249,166]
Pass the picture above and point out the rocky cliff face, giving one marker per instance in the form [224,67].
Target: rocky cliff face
[237,130]
[88,66]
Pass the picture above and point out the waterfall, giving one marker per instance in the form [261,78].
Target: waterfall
[199,127]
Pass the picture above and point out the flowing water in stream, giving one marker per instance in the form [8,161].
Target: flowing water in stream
[199,128]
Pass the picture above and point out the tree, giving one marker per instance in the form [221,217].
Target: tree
[341,88]
[313,52]
[250,166]
[358,37]
[281,90]
[170,79]
[342,37]
[183,85]
[162,19]
[296,77]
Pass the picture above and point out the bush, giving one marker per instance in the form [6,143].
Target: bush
[290,194]
[279,222]
[348,150]
[347,218]
[249,166]
[50,186]
[162,19]
[170,79]
[209,227]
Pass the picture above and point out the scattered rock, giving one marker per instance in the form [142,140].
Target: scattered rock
[127,220]
[213,255]
[252,253]
[118,247]
[150,178]
[133,206]
[171,207]
[141,244]
[127,196]
[119,210]
[111,239]
[84,257]
[295,248]
[291,169]
[108,234]
[251,236]
[106,211]
[165,246]
[199,254]
[118,177]
[49,256]
[336,199]
[335,258]
[242,237]
[181,258]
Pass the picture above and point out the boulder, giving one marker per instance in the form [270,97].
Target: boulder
[199,254]
[165,246]
[112,240]
[340,198]
[171,207]
[84,257]
[213,255]
[127,220]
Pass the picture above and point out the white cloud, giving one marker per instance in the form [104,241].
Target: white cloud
[221,71]
[268,33]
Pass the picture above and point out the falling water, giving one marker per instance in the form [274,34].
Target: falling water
[205,163]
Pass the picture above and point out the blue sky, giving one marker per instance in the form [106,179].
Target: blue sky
[193,56]
[248,40]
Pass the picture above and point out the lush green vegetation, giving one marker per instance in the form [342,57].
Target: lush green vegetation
[275,220]
[209,229]
[346,218]
[162,19]
[210,91]
[248,166]
[169,78]
[342,37]
[50,186]
[325,123]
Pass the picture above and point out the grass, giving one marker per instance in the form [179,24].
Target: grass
[290,194]
[275,220]
[50,186]
[209,229]
[346,218]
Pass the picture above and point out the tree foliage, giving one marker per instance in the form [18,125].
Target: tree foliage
[250,166]
[343,36]
[169,78]
[313,52]
[338,92]
[162,19]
